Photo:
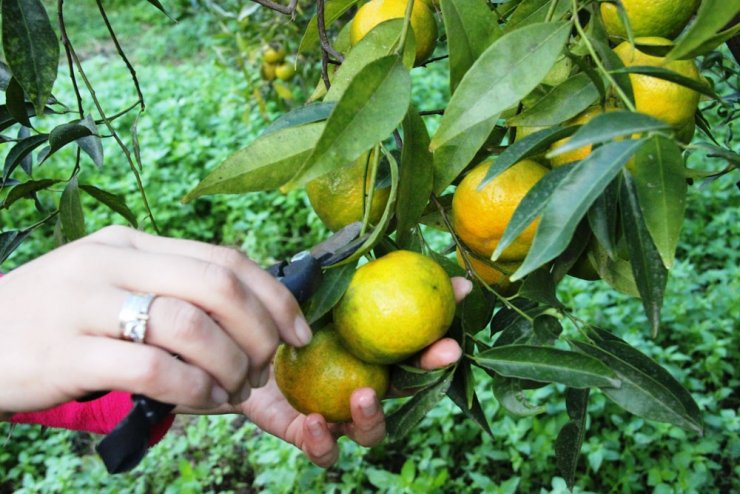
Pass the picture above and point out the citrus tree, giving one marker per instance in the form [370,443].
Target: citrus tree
[560,151]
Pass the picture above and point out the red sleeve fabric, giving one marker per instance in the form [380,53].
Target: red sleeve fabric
[98,416]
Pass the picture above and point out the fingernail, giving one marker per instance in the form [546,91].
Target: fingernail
[264,377]
[219,395]
[302,331]
[368,407]
[314,428]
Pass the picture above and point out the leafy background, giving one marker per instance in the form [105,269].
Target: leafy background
[200,108]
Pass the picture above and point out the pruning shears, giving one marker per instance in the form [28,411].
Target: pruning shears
[125,446]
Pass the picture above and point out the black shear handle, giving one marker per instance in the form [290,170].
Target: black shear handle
[125,446]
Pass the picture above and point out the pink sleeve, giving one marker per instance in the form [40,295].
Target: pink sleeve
[99,416]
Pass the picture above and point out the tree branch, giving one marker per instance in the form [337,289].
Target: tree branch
[125,59]
[289,10]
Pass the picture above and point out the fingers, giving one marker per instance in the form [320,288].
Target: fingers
[319,443]
[439,354]
[462,287]
[213,288]
[366,429]
[185,330]
[368,421]
[140,369]
[278,301]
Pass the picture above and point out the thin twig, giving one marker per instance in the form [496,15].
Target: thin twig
[67,48]
[323,38]
[109,125]
[397,138]
[577,23]
[289,10]
[125,59]
[432,60]
[325,69]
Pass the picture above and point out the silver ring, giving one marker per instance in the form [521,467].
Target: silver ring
[134,316]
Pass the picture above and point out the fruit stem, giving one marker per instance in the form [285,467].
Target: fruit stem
[551,10]
[597,60]
[405,29]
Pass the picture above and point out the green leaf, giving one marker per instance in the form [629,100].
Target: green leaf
[547,330]
[647,265]
[379,43]
[408,378]
[506,72]
[401,421]
[540,287]
[5,76]
[508,317]
[660,182]
[546,364]
[160,7]
[15,99]
[18,152]
[453,156]
[70,212]
[7,120]
[562,103]
[9,241]
[457,392]
[617,272]
[570,202]
[115,202]
[518,332]
[27,162]
[510,395]
[266,163]
[529,146]
[607,126]
[476,309]
[532,11]
[373,105]
[713,42]
[612,62]
[416,177]
[602,218]
[26,189]
[647,390]
[471,27]
[31,48]
[63,134]
[313,112]
[570,439]
[669,75]
[333,10]
[92,145]
[712,16]
[333,285]
[531,206]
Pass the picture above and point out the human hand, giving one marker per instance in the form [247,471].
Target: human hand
[215,309]
[271,412]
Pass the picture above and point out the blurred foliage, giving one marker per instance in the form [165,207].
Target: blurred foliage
[198,112]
